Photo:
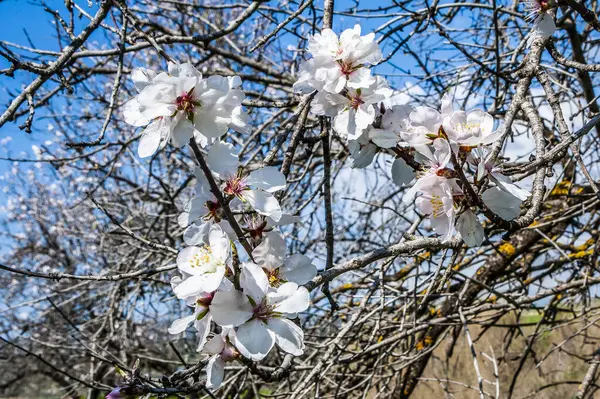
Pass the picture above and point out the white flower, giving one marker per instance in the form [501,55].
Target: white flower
[354,110]
[395,123]
[426,123]
[221,351]
[437,201]
[205,265]
[486,167]
[271,256]
[261,314]
[201,316]
[541,12]
[473,128]
[338,63]
[470,229]
[255,188]
[436,160]
[362,151]
[502,203]
[180,104]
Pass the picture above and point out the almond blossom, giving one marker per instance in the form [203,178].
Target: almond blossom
[352,110]
[261,314]
[221,350]
[487,167]
[473,128]
[271,256]
[181,104]
[541,12]
[437,201]
[338,63]
[204,267]
[255,188]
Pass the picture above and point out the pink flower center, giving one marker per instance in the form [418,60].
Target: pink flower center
[262,311]
[185,103]
[206,300]
[235,186]
[356,102]
[346,68]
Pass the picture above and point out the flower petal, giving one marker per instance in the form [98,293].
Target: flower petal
[289,298]
[271,252]
[264,203]
[298,269]
[215,371]
[222,159]
[288,336]
[503,204]
[402,174]
[254,340]
[180,325]
[230,308]
[269,179]
[470,229]
[254,281]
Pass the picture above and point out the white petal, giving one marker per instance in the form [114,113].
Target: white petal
[470,229]
[271,252]
[211,125]
[269,179]
[264,203]
[142,77]
[240,121]
[180,325]
[215,345]
[132,114]
[219,243]
[402,174]
[254,281]
[384,138]
[207,282]
[196,233]
[288,336]
[230,308]
[222,159]
[215,371]
[503,204]
[182,132]
[289,298]
[427,117]
[505,183]
[254,340]
[298,269]
[151,139]
[203,328]
[447,105]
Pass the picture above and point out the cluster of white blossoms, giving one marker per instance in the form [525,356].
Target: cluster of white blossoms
[442,146]
[346,89]
[253,303]
[254,306]
[429,144]
[180,104]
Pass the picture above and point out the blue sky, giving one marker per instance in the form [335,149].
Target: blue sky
[18,20]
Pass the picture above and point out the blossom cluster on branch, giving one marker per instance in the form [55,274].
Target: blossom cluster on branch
[441,149]
[256,302]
